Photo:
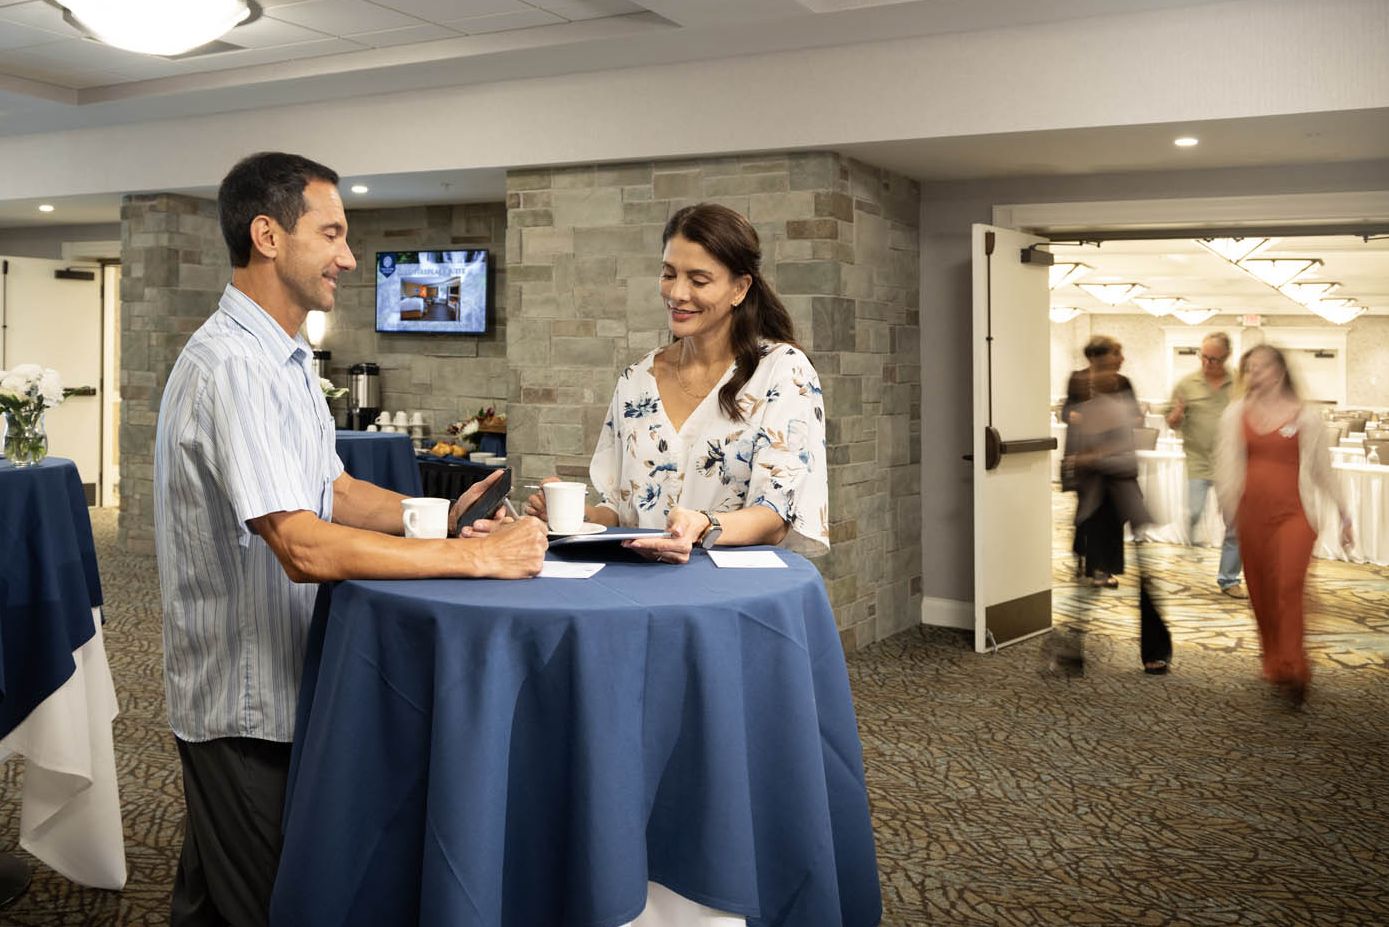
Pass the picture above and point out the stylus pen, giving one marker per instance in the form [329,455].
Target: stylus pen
[511,508]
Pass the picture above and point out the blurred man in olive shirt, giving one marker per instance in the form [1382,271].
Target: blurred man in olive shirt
[1197,404]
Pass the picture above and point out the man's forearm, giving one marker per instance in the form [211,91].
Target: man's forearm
[312,550]
[360,504]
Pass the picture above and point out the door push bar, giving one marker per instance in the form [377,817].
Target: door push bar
[995,447]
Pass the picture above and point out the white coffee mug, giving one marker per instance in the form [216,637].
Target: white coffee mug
[425,518]
[497,462]
[564,506]
[401,419]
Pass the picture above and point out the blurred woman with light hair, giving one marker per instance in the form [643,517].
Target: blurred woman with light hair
[1273,467]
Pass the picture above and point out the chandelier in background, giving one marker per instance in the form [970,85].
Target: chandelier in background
[157,27]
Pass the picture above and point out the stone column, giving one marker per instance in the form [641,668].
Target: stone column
[839,244]
[173,269]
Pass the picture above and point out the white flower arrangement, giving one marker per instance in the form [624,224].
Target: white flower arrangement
[26,392]
[30,387]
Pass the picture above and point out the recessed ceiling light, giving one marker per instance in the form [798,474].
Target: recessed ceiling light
[360,188]
[1186,141]
[45,207]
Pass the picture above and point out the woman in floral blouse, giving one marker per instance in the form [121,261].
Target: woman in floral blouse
[718,437]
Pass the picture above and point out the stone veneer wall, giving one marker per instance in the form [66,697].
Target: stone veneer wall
[446,377]
[840,245]
[173,269]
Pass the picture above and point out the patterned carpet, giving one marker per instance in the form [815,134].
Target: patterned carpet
[1002,793]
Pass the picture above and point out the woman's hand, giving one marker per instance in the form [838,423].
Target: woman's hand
[535,503]
[684,526]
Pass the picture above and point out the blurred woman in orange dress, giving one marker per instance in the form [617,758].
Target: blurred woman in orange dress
[1272,467]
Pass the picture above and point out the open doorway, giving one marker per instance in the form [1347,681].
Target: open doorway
[1323,299]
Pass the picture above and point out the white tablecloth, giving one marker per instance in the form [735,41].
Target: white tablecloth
[70,814]
[1162,476]
[1365,488]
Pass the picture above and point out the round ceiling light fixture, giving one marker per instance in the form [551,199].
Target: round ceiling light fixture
[360,188]
[45,207]
[157,27]
[1186,141]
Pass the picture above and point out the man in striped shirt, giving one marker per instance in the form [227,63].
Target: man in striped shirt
[252,509]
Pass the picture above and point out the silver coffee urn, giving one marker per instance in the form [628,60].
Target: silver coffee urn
[322,360]
[363,395]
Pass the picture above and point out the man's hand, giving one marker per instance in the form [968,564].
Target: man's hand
[470,495]
[1176,413]
[515,550]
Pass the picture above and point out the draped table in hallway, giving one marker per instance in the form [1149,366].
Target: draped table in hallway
[384,458]
[57,699]
[511,754]
[1162,477]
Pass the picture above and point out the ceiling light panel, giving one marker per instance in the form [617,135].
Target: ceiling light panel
[1113,294]
[1160,305]
[1060,274]
[1278,271]
[158,27]
[1063,314]
[1308,292]
[1236,249]
[1194,316]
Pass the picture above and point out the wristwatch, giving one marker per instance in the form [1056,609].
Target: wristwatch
[710,537]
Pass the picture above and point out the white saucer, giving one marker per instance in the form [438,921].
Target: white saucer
[587,528]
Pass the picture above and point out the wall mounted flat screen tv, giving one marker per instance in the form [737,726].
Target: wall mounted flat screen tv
[433,292]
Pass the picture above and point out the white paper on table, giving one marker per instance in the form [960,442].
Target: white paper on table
[747,559]
[560,569]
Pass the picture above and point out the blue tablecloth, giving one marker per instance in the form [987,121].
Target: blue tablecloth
[384,458]
[529,754]
[49,582]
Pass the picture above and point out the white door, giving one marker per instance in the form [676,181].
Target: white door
[56,322]
[1012,490]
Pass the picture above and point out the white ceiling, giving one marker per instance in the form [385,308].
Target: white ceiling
[1181,267]
[52,79]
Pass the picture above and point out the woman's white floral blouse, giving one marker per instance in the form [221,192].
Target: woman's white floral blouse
[775,457]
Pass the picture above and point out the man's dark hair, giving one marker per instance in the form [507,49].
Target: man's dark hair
[269,183]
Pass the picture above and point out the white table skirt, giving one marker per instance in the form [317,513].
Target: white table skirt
[70,813]
[1162,477]
[664,908]
[1365,488]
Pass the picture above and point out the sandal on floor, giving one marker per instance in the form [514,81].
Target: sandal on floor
[1156,667]
[1108,582]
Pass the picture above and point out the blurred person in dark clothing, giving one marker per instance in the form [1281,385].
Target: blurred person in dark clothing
[1108,496]
[1099,536]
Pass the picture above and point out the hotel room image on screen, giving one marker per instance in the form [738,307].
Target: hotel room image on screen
[444,292]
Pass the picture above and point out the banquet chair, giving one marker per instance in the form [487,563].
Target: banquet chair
[1145,439]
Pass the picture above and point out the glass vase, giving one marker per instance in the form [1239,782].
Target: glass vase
[26,442]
